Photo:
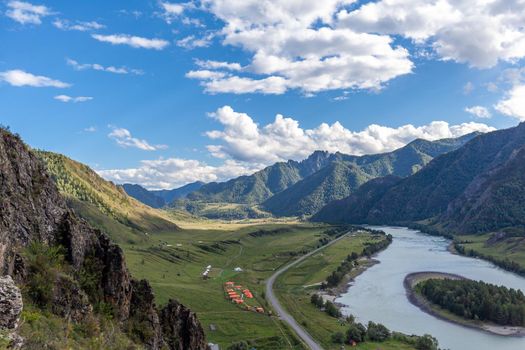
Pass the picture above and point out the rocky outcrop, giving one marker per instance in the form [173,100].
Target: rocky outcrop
[10,308]
[32,210]
[181,328]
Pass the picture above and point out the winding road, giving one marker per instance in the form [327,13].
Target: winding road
[285,316]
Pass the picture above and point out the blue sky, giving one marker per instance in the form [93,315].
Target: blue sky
[165,93]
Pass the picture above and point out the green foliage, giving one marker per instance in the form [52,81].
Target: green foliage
[43,265]
[377,332]
[426,342]
[356,332]
[102,201]
[332,310]
[43,330]
[476,300]
[239,346]
[302,188]
[338,338]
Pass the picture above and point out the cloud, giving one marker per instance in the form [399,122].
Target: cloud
[174,172]
[246,147]
[110,69]
[124,139]
[64,24]
[133,41]
[513,104]
[297,45]
[479,111]
[26,13]
[243,140]
[90,129]
[345,44]
[468,88]
[66,98]
[191,42]
[18,77]
[218,65]
[204,74]
[476,32]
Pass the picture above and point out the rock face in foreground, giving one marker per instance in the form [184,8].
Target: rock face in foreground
[10,308]
[181,327]
[32,210]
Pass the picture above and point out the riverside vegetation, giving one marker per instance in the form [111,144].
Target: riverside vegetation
[475,300]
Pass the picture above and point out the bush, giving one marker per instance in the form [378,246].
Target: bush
[377,332]
[332,310]
[427,342]
[338,338]
[43,265]
[356,332]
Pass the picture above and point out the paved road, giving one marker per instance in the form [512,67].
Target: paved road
[285,316]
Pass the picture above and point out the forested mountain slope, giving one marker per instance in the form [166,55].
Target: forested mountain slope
[288,190]
[334,182]
[101,202]
[477,188]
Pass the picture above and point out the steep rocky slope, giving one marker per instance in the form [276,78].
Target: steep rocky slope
[35,220]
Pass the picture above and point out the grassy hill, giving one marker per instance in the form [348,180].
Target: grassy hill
[102,203]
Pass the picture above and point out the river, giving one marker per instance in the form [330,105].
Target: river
[378,294]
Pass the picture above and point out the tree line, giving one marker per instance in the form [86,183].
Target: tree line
[352,260]
[506,264]
[476,300]
[376,332]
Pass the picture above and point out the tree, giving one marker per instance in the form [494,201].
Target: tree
[427,342]
[338,338]
[377,332]
[332,310]
[356,332]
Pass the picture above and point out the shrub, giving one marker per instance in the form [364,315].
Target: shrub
[338,338]
[43,265]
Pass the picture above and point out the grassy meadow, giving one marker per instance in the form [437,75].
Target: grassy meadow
[173,262]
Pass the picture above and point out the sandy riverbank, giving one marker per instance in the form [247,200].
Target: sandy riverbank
[411,280]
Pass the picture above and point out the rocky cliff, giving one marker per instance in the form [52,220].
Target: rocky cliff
[32,210]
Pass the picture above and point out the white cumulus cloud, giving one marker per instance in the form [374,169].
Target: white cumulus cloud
[297,45]
[174,172]
[244,140]
[17,77]
[477,32]
[245,147]
[26,13]
[479,111]
[513,104]
[133,41]
[124,139]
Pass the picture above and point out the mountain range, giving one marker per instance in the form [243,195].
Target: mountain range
[160,198]
[302,188]
[477,188]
